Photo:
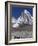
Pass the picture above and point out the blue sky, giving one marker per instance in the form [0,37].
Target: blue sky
[16,11]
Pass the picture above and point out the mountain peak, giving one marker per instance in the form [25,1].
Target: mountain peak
[25,18]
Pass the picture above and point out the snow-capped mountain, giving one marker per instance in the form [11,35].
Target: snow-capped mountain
[28,17]
[25,18]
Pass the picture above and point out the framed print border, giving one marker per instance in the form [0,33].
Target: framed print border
[6,22]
